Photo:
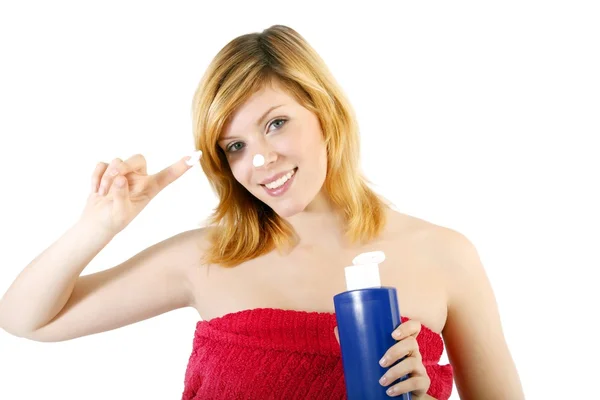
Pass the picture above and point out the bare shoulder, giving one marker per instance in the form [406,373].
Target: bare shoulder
[188,247]
[193,241]
[473,331]
[448,249]
[456,256]
[181,251]
[429,233]
[402,227]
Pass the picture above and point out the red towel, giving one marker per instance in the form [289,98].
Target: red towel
[271,353]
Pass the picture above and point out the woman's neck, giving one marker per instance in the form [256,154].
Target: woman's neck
[321,223]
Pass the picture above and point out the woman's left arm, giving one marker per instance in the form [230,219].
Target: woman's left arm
[473,334]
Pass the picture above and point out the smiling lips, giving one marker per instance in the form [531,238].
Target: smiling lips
[278,184]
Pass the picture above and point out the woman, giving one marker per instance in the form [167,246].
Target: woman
[280,147]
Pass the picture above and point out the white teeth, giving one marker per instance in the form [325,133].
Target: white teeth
[280,181]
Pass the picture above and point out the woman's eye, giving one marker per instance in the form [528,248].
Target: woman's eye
[235,146]
[274,123]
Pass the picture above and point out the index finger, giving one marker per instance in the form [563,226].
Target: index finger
[171,173]
[408,328]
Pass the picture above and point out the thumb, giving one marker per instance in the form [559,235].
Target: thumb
[120,192]
[173,172]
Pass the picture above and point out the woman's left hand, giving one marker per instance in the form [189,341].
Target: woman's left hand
[418,381]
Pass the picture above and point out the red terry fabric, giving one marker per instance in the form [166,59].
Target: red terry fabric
[269,353]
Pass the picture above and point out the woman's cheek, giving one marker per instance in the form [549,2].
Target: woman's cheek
[240,173]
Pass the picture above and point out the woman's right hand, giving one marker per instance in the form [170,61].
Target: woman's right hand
[120,190]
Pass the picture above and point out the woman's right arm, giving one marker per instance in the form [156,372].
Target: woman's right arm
[51,301]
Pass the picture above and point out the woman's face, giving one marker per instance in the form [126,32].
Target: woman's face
[273,125]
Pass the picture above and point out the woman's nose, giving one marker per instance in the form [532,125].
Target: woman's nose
[263,154]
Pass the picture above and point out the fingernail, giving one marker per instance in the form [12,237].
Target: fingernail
[194,158]
[101,191]
[390,391]
[114,172]
[396,334]
[383,380]
[383,361]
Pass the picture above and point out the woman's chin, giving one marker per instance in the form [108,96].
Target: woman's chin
[288,209]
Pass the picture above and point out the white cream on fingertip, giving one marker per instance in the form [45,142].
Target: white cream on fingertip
[258,160]
[194,158]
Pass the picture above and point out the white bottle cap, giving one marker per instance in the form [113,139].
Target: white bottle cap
[365,271]
[372,257]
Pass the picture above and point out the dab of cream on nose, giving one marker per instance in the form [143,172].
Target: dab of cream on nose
[258,160]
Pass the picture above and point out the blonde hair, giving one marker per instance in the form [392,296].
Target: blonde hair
[245,227]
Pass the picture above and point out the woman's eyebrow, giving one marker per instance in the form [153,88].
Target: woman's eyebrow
[258,123]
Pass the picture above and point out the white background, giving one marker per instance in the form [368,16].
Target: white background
[480,117]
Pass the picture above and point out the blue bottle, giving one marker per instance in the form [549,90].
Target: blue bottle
[367,314]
